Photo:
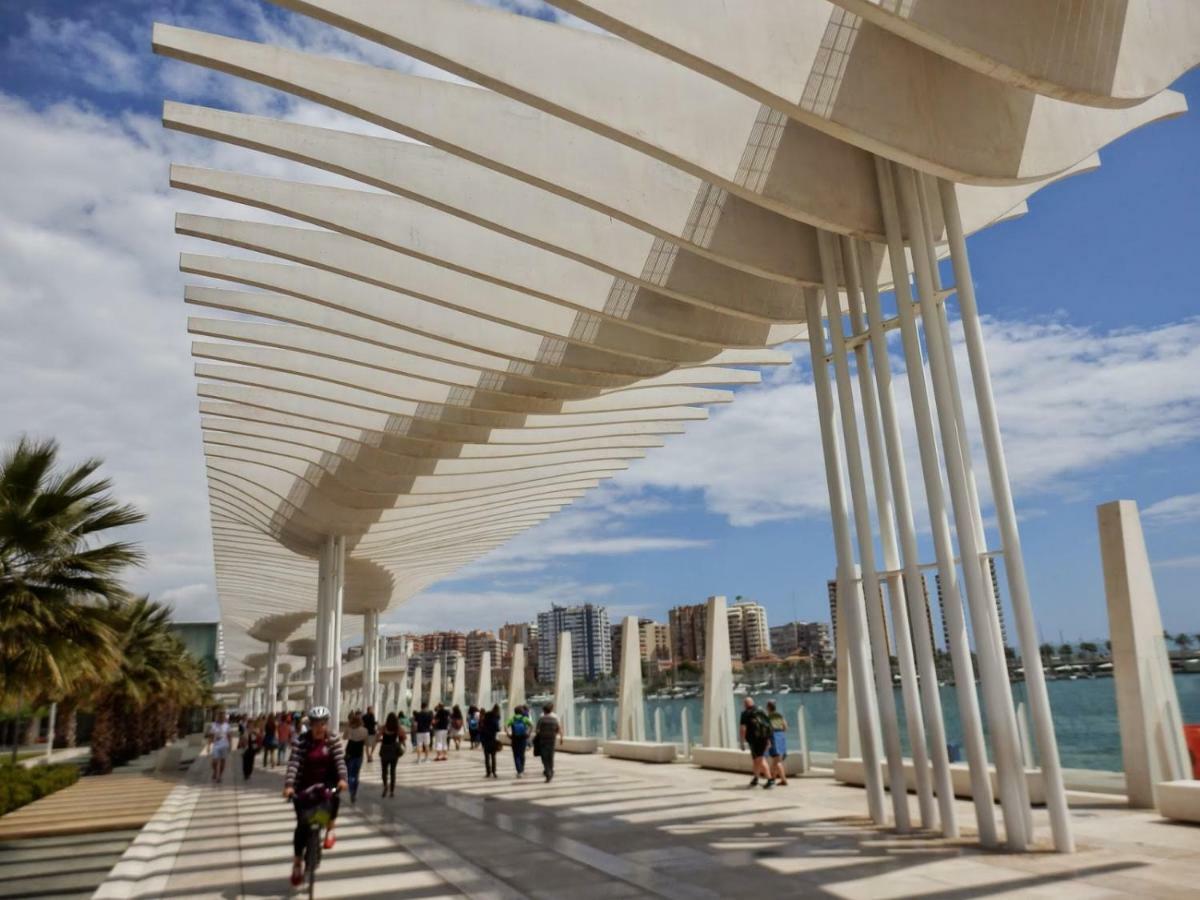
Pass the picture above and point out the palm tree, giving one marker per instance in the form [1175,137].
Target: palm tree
[138,703]
[1183,641]
[55,569]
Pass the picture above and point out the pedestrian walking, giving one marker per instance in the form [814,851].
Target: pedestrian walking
[270,741]
[422,732]
[549,734]
[356,742]
[441,731]
[370,723]
[284,734]
[391,748]
[754,730]
[218,746]
[777,752]
[518,726]
[251,741]
[473,725]
[457,721]
[489,739]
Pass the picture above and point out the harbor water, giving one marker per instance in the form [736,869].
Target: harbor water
[1085,717]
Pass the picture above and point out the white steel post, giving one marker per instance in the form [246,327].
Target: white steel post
[914,582]
[901,632]
[1006,518]
[992,670]
[868,713]
[320,661]
[370,667]
[337,596]
[272,676]
[952,610]
[877,627]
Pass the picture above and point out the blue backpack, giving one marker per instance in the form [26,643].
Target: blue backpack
[519,728]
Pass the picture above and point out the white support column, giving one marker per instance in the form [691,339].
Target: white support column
[900,505]
[931,470]
[1006,519]
[993,672]
[337,590]
[483,687]
[320,661]
[516,678]
[458,696]
[876,625]
[865,700]
[370,667]
[631,710]
[718,728]
[564,683]
[272,676]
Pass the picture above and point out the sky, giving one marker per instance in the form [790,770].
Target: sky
[1091,320]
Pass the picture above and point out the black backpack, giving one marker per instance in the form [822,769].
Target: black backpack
[760,726]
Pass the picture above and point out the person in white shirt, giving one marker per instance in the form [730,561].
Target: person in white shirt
[218,745]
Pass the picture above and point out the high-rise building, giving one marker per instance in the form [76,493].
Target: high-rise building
[655,641]
[479,641]
[991,560]
[687,626]
[591,639]
[749,636]
[802,639]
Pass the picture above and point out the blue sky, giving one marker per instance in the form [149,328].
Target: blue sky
[1092,322]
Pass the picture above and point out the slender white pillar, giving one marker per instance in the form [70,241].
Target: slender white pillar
[802,739]
[848,744]
[459,695]
[877,627]
[993,672]
[604,730]
[719,724]
[516,678]
[914,583]
[436,690]
[952,611]
[483,687]
[320,662]
[865,700]
[370,667]
[685,727]
[631,710]
[564,683]
[1006,519]
[272,676]
[50,730]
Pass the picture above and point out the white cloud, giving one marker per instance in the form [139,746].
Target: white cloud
[1178,562]
[1173,510]
[1071,400]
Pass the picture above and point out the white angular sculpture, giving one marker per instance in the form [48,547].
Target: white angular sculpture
[516,679]
[435,683]
[1152,744]
[719,728]
[417,686]
[459,695]
[564,684]
[483,687]
[631,711]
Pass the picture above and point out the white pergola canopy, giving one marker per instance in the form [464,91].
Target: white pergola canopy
[548,272]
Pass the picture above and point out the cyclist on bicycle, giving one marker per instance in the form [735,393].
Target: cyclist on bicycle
[316,759]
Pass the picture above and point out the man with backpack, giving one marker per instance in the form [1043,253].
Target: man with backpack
[754,729]
[518,726]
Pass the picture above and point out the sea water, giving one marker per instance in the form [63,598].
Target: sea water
[1085,717]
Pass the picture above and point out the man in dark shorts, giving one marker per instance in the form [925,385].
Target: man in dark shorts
[371,724]
[754,729]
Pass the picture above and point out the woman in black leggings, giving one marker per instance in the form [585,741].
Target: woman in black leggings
[489,737]
[391,748]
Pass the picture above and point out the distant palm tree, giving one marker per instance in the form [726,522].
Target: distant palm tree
[1183,641]
[1066,651]
[55,568]
[138,702]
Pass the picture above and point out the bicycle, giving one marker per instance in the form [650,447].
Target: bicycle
[316,802]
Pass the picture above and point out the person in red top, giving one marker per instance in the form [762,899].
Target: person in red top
[317,758]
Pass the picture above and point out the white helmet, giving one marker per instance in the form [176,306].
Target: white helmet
[318,712]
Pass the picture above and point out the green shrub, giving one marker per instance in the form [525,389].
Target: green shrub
[19,785]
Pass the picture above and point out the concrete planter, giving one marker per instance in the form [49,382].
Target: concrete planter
[642,751]
[1178,800]
[733,760]
[850,771]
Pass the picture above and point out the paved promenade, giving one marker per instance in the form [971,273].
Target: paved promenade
[605,828]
